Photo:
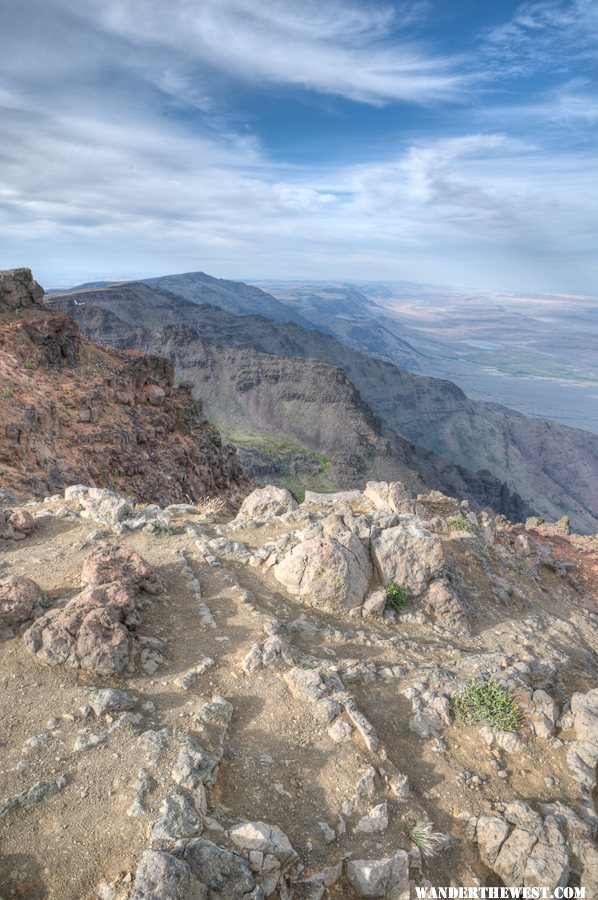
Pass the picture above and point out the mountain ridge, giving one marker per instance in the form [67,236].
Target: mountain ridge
[550,463]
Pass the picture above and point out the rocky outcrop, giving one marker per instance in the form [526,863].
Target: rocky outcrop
[93,630]
[408,555]
[330,570]
[267,501]
[73,412]
[524,848]
[18,290]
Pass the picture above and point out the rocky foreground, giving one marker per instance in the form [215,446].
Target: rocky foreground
[199,708]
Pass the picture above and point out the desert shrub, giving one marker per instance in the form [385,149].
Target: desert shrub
[427,841]
[7,394]
[396,596]
[207,505]
[488,702]
[459,523]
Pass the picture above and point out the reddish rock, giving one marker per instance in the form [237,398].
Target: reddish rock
[108,564]
[19,599]
[93,630]
[22,522]
[74,412]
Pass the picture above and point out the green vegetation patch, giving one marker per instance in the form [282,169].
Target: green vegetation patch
[396,596]
[488,702]
[459,523]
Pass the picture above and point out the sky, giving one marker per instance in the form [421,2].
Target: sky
[442,142]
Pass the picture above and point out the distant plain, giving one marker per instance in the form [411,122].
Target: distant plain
[536,354]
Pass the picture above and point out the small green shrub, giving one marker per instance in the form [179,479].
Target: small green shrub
[7,394]
[162,528]
[488,702]
[459,523]
[396,596]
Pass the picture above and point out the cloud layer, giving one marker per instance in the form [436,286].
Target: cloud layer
[125,150]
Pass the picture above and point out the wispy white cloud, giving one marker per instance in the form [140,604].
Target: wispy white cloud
[359,51]
[553,34]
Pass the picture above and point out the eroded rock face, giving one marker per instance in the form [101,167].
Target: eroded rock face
[19,598]
[267,501]
[93,630]
[19,290]
[331,570]
[77,412]
[524,848]
[582,755]
[408,555]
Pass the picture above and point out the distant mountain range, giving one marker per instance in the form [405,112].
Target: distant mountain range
[299,385]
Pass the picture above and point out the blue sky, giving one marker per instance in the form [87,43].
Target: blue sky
[451,143]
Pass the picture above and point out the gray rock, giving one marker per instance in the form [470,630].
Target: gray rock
[266,838]
[104,506]
[161,876]
[512,858]
[186,679]
[107,700]
[217,712]
[85,740]
[267,501]
[408,555]
[224,873]
[340,731]
[376,820]
[177,820]
[29,797]
[380,878]
[330,571]
[491,833]
[74,491]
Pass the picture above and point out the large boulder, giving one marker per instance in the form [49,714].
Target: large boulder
[22,522]
[331,570]
[390,496]
[408,555]
[104,506]
[266,501]
[15,525]
[20,598]
[93,630]
[108,563]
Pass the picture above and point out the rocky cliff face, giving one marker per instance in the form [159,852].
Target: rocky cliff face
[550,466]
[71,411]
